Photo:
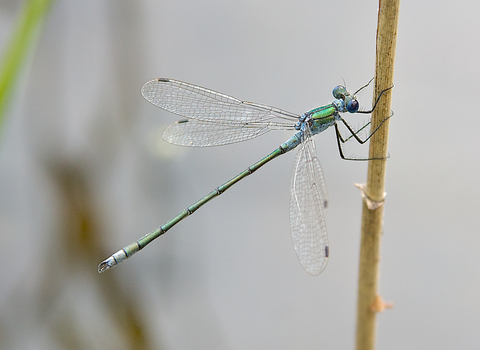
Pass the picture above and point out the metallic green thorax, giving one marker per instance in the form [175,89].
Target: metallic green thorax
[322,118]
[323,112]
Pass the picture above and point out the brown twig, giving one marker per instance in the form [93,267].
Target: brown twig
[372,220]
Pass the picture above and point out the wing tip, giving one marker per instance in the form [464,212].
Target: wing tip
[316,270]
[147,90]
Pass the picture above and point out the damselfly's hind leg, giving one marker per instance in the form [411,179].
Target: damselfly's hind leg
[354,134]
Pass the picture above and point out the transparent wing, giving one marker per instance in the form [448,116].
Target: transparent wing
[195,102]
[308,204]
[198,133]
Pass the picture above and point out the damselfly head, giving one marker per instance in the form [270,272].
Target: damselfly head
[350,101]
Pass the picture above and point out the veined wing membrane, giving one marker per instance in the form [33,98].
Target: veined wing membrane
[195,102]
[308,204]
[198,133]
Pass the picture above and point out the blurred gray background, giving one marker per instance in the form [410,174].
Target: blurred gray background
[83,172]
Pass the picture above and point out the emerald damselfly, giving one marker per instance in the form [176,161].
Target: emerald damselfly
[214,119]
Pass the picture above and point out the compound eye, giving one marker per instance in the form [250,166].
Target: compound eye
[352,106]
[339,92]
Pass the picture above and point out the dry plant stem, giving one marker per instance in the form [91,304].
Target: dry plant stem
[372,220]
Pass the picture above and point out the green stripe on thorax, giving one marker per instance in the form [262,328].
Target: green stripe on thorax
[323,112]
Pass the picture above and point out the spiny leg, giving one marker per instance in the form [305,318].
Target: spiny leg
[354,134]
[364,86]
[341,140]
[376,102]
